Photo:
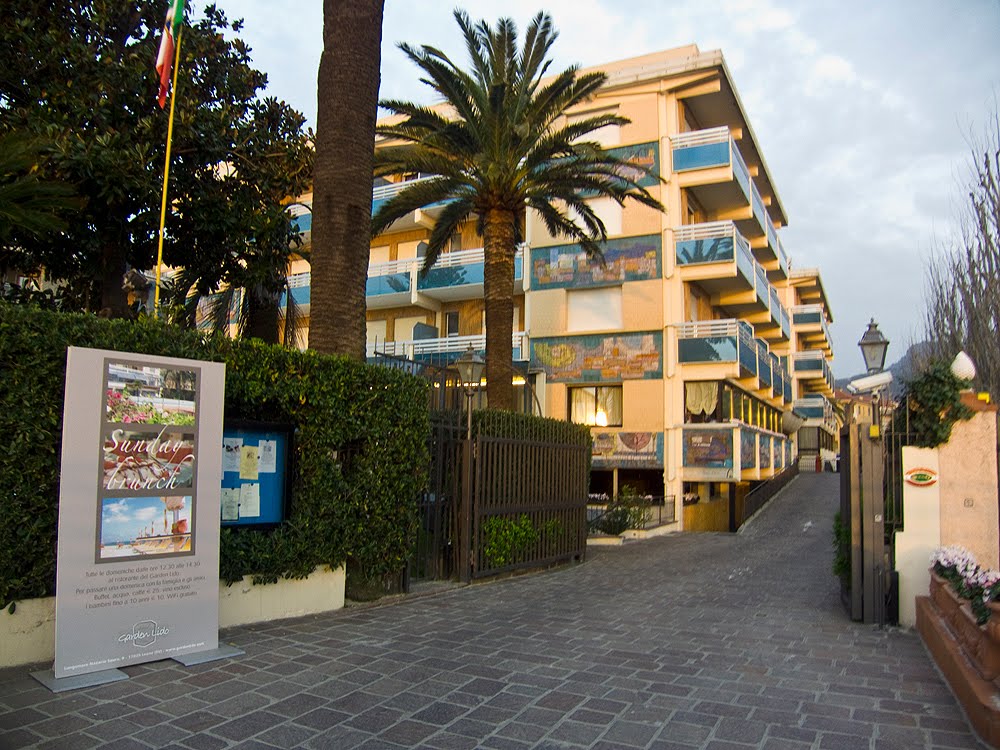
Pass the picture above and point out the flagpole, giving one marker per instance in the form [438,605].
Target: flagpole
[166,173]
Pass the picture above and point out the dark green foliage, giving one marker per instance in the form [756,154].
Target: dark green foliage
[506,424]
[506,539]
[933,404]
[842,551]
[77,80]
[357,505]
[627,511]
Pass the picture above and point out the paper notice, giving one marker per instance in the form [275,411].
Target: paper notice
[230,504]
[249,459]
[250,501]
[268,463]
[231,449]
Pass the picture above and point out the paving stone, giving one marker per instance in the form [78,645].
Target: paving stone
[247,726]
[15,739]
[605,655]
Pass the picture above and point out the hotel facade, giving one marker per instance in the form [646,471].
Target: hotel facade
[699,354]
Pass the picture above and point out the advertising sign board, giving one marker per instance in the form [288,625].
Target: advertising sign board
[137,568]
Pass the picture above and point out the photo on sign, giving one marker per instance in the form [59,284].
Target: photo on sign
[132,527]
[145,461]
[150,395]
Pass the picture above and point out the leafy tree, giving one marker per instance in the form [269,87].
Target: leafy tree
[962,298]
[29,206]
[506,148]
[80,74]
[342,192]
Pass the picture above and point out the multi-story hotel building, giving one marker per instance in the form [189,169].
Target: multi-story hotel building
[698,349]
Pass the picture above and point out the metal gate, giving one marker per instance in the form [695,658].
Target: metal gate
[871,506]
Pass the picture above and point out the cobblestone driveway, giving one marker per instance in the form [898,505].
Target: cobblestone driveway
[689,641]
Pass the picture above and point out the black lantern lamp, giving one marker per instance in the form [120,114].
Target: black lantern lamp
[470,369]
[873,347]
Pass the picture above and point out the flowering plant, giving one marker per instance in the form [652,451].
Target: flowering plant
[954,564]
[979,585]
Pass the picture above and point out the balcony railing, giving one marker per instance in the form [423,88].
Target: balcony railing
[713,242]
[763,364]
[452,345]
[810,315]
[453,269]
[813,365]
[732,450]
[705,149]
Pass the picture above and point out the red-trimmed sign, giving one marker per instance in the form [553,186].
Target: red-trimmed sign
[921,477]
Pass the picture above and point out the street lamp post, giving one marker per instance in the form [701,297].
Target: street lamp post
[470,371]
[873,347]
[875,580]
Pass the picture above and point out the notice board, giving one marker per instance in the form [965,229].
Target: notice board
[255,473]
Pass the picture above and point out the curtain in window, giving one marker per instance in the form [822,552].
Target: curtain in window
[610,401]
[583,405]
[702,398]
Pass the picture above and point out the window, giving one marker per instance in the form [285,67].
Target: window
[594,309]
[598,406]
[451,323]
[456,242]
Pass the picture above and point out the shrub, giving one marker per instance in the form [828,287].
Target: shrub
[505,540]
[359,506]
[629,510]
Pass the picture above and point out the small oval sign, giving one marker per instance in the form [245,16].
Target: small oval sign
[921,477]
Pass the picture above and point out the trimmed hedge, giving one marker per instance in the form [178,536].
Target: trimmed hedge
[360,447]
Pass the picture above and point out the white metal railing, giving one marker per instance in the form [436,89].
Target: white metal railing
[808,309]
[704,329]
[299,279]
[392,267]
[807,356]
[700,137]
[442,345]
[706,231]
[387,191]
[444,260]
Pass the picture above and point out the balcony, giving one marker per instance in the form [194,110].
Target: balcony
[422,217]
[727,349]
[729,342]
[715,255]
[446,350]
[298,285]
[817,411]
[813,370]
[455,276]
[731,451]
[709,163]
[811,325]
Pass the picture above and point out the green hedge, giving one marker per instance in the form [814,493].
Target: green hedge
[507,424]
[358,506]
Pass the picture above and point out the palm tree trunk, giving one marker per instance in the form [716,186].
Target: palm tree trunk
[342,188]
[499,248]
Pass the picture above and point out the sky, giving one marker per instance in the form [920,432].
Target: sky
[864,110]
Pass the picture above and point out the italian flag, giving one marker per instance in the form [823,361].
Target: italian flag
[165,57]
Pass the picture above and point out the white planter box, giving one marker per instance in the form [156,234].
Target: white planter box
[28,636]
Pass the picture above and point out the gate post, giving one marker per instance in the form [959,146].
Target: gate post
[465,509]
[854,499]
[873,526]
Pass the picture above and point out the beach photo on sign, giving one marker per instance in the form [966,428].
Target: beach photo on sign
[133,527]
[144,460]
[150,395]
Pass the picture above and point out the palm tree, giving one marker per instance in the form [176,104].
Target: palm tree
[342,191]
[498,146]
